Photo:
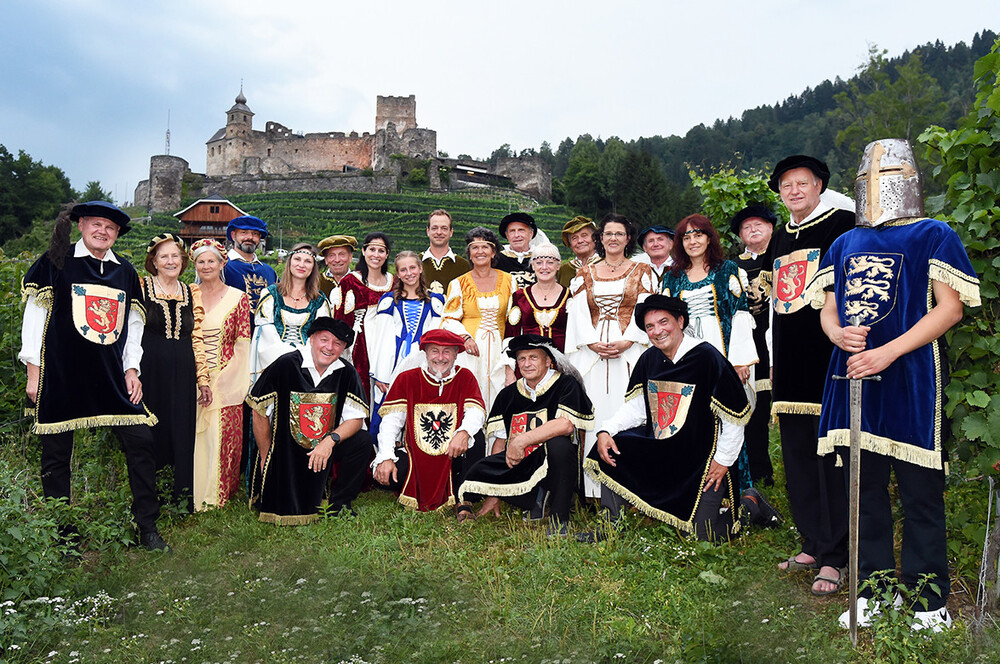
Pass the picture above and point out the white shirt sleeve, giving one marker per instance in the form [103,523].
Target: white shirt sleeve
[132,356]
[632,414]
[352,412]
[472,423]
[32,330]
[388,434]
[730,444]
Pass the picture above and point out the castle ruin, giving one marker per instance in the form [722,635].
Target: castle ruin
[240,159]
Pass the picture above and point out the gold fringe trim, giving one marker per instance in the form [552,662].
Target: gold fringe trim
[260,404]
[96,421]
[493,425]
[392,407]
[499,490]
[593,469]
[634,393]
[359,402]
[918,456]
[762,385]
[795,408]
[967,287]
[43,296]
[816,290]
[288,519]
[578,420]
[411,503]
[740,419]
[138,308]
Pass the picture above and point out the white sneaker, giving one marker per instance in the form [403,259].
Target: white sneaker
[865,614]
[936,621]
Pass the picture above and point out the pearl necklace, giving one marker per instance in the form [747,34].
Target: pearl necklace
[163,290]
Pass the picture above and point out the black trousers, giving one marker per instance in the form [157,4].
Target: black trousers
[351,456]
[816,490]
[137,442]
[757,438]
[925,544]
[709,523]
[458,466]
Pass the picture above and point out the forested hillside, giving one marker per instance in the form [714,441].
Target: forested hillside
[647,178]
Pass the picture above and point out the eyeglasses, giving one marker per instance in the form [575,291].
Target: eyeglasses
[616,235]
[694,232]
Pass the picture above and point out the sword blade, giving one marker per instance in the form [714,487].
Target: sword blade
[854,498]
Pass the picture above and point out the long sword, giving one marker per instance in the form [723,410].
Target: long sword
[854,491]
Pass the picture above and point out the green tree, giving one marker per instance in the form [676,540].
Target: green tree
[94,192]
[885,101]
[502,151]
[29,191]
[612,165]
[967,161]
[726,192]
[643,194]
[583,177]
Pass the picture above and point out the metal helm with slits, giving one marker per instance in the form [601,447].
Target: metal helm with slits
[888,184]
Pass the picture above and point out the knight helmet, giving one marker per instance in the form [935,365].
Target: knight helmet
[888,183]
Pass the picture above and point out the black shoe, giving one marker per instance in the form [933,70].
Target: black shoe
[151,541]
[556,528]
[762,513]
[537,512]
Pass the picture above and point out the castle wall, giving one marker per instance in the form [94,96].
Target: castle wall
[530,174]
[401,111]
[162,191]
[257,184]
[277,151]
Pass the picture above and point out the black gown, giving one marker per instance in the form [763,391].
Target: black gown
[169,382]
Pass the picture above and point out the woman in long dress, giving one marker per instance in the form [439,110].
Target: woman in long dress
[355,299]
[286,309]
[541,307]
[174,373]
[602,340]
[715,291]
[401,318]
[476,308]
[219,428]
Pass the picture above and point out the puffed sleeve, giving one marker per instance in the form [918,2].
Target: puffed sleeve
[454,309]
[197,338]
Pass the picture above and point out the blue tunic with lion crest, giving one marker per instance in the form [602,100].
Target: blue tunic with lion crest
[885,276]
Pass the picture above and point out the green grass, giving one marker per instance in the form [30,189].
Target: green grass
[391,585]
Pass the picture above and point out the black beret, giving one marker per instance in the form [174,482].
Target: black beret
[338,328]
[521,217]
[799,161]
[657,302]
[104,210]
[758,210]
[529,342]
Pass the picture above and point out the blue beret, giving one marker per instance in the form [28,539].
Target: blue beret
[660,230]
[246,223]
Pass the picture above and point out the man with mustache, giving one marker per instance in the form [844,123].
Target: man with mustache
[440,411]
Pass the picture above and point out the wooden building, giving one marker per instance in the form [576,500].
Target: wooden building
[207,218]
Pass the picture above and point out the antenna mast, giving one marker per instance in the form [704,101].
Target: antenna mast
[166,149]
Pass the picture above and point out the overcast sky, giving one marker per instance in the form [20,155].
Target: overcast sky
[86,85]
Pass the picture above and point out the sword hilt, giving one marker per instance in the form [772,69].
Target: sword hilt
[875,377]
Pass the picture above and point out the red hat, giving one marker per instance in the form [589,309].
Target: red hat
[442,338]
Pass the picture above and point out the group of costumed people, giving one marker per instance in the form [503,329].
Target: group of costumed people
[630,378]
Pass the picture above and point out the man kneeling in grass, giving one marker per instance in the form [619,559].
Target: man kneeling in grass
[440,412]
[308,410]
[533,421]
[668,451]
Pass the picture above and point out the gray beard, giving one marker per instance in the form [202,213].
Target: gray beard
[247,247]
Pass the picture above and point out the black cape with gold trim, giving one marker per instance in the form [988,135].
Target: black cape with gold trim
[663,463]
[515,412]
[82,381]
[801,349]
[287,492]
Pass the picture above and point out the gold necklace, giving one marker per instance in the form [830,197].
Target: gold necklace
[614,266]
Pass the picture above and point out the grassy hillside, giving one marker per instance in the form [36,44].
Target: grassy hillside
[311,216]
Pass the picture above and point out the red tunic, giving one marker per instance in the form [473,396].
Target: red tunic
[526,316]
[432,419]
[353,302]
